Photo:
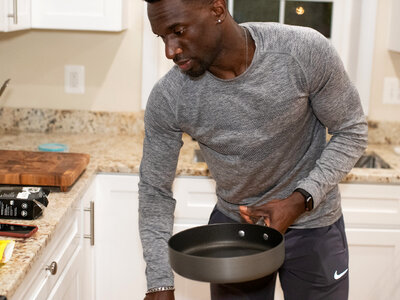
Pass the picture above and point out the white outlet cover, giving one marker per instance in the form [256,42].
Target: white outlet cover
[391,90]
[74,79]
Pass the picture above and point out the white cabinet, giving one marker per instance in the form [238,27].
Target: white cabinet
[96,15]
[118,260]
[371,212]
[119,265]
[394,30]
[374,263]
[15,15]
[57,273]
[88,249]
[195,200]
[372,218]
[104,15]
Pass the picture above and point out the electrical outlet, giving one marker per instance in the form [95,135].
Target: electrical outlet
[74,79]
[391,90]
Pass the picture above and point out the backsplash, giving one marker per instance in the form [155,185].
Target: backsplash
[69,121]
[78,121]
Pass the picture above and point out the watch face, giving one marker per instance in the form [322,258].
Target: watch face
[309,203]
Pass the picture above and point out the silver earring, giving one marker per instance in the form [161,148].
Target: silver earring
[219,21]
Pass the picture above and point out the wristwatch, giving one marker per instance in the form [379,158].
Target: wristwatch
[308,199]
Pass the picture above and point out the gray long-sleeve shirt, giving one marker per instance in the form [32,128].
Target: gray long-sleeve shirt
[262,134]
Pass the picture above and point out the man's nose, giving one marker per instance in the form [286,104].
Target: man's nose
[172,48]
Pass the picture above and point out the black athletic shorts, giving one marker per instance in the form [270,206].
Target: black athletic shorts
[315,267]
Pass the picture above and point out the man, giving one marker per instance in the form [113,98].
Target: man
[258,98]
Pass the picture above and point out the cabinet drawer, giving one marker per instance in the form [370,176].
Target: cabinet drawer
[39,281]
[195,198]
[363,204]
[371,204]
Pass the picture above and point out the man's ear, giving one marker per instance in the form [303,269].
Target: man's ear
[219,9]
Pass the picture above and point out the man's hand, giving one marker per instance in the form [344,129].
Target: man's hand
[278,214]
[165,295]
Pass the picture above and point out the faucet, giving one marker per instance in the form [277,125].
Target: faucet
[3,87]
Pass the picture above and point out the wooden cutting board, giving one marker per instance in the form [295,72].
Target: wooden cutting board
[41,168]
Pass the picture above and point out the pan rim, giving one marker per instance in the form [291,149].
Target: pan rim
[228,269]
[233,258]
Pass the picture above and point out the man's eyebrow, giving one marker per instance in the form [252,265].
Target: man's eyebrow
[172,27]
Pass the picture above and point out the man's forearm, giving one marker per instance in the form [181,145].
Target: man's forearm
[337,159]
[155,225]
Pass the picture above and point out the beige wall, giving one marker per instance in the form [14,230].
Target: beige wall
[386,64]
[35,59]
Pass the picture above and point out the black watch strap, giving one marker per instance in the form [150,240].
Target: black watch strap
[308,199]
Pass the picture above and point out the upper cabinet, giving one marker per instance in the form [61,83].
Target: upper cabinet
[102,15]
[15,15]
[394,34]
[97,15]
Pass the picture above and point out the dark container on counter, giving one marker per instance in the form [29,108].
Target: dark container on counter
[23,203]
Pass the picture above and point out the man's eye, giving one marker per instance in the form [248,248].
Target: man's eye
[179,32]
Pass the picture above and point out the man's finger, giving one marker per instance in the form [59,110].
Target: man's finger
[267,221]
[245,213]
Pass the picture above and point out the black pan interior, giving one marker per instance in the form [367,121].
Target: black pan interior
[225,240]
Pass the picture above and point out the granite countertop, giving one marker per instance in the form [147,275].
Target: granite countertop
[121,153]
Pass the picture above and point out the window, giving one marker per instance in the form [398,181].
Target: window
[255,10]
[314,14]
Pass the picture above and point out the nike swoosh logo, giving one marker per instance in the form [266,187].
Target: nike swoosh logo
[338,276]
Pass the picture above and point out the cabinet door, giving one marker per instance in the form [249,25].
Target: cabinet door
[88,249]
[372,217]
[394,30]
[15,15]
[119,263]
[374,265]
[107,15]
[64,251]
[70,283]
[186,289]
[371,205]
[195,199]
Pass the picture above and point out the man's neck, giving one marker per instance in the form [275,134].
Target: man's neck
[233,58]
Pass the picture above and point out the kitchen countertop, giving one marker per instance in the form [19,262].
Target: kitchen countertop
[118,153]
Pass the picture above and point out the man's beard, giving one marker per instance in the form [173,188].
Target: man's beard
[196,72]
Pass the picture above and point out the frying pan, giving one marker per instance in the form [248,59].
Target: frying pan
[226,253]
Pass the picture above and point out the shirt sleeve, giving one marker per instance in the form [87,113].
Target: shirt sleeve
[336,104]
[162,143]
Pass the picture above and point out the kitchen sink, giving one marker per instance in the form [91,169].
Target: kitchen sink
[368,160]
[371,161]
[198,156]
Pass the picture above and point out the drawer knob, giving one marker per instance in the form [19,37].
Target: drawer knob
[52,268]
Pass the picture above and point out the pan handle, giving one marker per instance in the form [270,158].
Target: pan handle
[261,221]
